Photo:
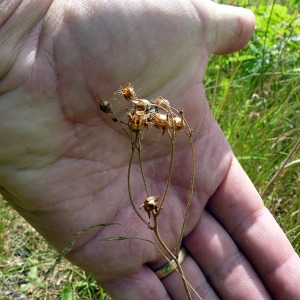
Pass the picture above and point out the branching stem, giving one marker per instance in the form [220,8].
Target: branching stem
[174,257]
[141,166]
[191,186]
[142,113]
[169,172]
[128,181]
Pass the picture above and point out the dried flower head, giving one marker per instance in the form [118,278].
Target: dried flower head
[150,204]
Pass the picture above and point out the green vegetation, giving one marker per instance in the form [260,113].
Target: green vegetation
[254,95]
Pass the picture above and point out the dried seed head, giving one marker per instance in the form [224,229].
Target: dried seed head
[137,121]
[128,92]
[160,101]
[177,123]
[150,204]
[105,106]
[141,104]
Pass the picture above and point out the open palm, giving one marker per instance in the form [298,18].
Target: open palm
[64,163]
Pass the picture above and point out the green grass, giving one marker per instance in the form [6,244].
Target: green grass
[254,95]
[25,258]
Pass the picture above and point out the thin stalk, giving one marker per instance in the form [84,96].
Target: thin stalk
[128,181]
[191,188]
[68,248]
[141,166]
[169,172]
[109,110]
[120,124]
[174,257]
[271,182]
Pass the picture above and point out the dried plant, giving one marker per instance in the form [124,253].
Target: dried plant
[142,114]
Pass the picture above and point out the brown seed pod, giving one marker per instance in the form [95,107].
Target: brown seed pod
[105,106]
[160,101]
[150,204]
[128,92]
[137,121]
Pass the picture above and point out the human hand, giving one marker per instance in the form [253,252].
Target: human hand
[63,163]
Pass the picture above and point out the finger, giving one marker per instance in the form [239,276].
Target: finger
[228,28]
[238,206]
[141,285]
[225,267]
[193,274]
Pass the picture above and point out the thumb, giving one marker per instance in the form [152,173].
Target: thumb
[227,28]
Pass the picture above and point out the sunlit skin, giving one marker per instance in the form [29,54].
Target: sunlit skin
[63,162]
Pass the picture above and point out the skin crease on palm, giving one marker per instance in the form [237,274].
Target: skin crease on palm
[63,163]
